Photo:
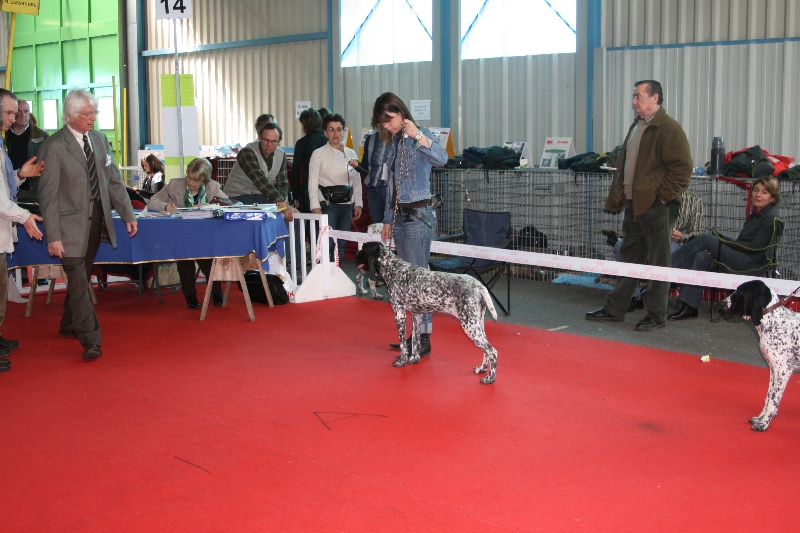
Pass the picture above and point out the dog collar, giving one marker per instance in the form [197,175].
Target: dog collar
[780,303]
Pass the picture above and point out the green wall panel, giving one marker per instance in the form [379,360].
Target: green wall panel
[23,69]
[72,43]
[77,70]
[105,58]
[76,12]
[49,16]
[48,65]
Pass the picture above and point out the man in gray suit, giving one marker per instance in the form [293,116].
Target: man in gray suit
[79,186]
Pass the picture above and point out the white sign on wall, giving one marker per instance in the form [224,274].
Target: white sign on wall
[173,9]
[301,106]
[421,109]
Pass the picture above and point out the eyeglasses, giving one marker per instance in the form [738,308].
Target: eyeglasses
[91,114]
[268,141]
[335,130]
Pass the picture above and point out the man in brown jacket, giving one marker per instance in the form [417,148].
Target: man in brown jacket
[652,172]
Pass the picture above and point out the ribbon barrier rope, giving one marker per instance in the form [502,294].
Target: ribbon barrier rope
[599,266]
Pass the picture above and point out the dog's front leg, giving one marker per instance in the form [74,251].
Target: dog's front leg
[778,380]
[372,288]
[416,324]
[400,321]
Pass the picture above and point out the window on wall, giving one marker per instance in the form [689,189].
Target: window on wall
[382,32]
[498,28]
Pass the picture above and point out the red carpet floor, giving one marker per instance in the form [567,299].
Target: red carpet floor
[298,422]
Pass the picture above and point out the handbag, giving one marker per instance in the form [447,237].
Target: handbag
[337,194]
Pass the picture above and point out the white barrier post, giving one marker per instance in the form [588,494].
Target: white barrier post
[326,279]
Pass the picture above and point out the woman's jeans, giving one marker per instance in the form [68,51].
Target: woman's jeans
[339,218]
[412,238]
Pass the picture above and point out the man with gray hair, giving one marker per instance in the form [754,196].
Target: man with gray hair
[79,186]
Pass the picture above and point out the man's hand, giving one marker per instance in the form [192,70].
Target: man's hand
[677,236]
[31,168]
[56,249]
[356,213]
[31,228]
[133,228]
[288,215]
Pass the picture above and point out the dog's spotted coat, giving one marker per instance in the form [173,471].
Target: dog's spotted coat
[779,332]
[419,291]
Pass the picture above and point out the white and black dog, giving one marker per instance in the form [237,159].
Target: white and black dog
[418,291]
[779,331]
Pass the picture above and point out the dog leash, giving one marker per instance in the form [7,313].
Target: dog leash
[781,302]
[318,254]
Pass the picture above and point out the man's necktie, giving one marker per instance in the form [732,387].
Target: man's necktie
[87,149]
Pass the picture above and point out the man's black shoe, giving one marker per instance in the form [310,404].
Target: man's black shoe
[5,365]
[92,352]
[43,282]
[601,315]
[424,345]
[216,299]
[648,324]
[4,351]
[684,312]
[192,303]
[8,343]
[67,333]
[636,303]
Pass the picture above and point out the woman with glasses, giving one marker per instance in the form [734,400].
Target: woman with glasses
[195,189]
[334,186]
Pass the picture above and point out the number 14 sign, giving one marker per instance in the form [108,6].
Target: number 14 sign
[173,9]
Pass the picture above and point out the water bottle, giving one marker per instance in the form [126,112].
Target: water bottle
[717,165]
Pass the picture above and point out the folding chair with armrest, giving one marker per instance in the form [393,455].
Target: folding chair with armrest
[769,255]
[482,229]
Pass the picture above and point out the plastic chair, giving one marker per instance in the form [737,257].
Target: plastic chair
[769,255]
[482,228]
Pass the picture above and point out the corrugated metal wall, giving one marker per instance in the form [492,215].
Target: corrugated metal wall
[658,22]
[234,85]
[517,99]
[744,93]
[523,98]
[362,85]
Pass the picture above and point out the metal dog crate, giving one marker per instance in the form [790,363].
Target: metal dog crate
[567,207]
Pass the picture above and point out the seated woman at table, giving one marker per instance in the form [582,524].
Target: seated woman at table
[154,175]
[196,188]
[698,253]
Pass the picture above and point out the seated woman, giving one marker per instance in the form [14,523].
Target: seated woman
[154,172]
[195,189]
[757,232]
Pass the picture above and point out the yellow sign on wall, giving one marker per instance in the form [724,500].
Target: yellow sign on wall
[26,7]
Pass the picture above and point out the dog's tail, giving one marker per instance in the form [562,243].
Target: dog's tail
[487,298]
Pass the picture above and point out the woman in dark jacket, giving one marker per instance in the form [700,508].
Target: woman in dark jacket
[757,232]
[312,138]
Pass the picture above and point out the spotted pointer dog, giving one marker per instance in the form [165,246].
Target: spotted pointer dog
[418,291]
[779,332]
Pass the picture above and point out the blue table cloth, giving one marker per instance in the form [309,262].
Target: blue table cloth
[167,239]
